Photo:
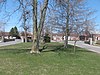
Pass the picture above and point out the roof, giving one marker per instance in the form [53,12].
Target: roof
[98,35]
[61,34]
[57,34]
[74,34]
[28,34]
[4,33]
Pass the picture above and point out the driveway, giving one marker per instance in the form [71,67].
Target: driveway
[86,46]
[9,43]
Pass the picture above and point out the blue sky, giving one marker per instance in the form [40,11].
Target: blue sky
[13,21]
[94,4]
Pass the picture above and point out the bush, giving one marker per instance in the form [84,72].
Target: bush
[46,38]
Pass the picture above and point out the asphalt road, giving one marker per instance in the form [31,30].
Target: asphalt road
[86,46]
[9,43]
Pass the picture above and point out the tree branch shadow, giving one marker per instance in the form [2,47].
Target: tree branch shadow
[51,48]
[15,50]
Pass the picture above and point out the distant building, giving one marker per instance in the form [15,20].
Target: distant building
[29,36]
[57,37]
[4,34]
[60,37]
[84,37]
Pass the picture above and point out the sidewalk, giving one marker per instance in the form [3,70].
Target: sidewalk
[9,43]
[86,46]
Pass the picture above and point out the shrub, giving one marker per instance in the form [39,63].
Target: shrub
[46,38]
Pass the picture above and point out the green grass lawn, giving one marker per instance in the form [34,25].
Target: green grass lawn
[16,60]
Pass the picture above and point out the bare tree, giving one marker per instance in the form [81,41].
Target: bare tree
[2,30]
[83,24]
[73,15]
[67,7]
[37,29]
[25,16]
[37,22]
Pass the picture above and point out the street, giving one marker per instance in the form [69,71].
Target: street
[86,46]
[10,43]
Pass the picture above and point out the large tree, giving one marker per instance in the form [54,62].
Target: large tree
[26,16]
[72,17]
[38,7]
[37,29]
[65,12]
[14,32]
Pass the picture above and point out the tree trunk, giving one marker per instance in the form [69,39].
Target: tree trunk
[75,46]
[35,47]
[42,17]
[75,43]
[2,38]
[37,30]
[66,41]
[25,35]
[25,27]
[67,27]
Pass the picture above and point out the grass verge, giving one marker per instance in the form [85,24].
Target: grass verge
[54,60]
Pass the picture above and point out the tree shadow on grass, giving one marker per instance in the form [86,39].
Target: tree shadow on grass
[48,48]
[83,50]
[52,48]
[60,48]
[15,51]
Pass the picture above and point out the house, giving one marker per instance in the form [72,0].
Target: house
[29,36]
[73,37]
[4,35]
[93,36]
[58,37]
[84,37]
[96,36]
